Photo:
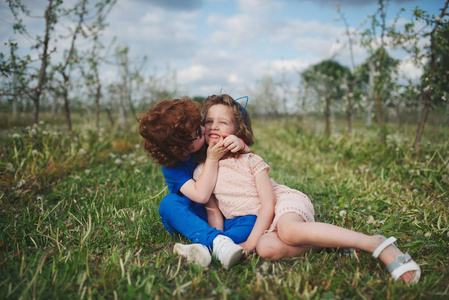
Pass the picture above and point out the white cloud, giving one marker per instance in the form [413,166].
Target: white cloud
[408,69]
[295,65]
[258,6]
[193,74]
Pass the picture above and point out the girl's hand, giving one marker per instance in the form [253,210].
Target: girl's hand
[215,151]
[233,143]
[248,247]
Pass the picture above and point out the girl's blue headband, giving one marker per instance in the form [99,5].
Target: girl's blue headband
[242,107]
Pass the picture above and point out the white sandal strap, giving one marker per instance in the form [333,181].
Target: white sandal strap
[409,266]
[384,245]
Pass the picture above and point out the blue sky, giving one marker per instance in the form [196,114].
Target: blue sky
[228,45]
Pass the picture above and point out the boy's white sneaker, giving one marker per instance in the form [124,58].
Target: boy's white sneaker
[226,251]
[196,253]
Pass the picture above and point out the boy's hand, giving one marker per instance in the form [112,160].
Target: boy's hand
[233,143]
[215,151]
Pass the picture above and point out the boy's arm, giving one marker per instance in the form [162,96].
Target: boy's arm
[214,216]
[200,190]
[266,211]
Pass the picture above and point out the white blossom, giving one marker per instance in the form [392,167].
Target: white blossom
[118,161]
[21,183]
[343,213]
[428,235]
[370,220]
[9,167]
[16,136]
[81,151]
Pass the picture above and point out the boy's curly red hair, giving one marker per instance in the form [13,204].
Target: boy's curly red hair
[167,129]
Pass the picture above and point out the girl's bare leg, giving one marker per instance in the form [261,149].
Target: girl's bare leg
[271,247]
[293,231]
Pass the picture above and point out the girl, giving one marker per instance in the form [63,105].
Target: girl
[285,224]
[172,133]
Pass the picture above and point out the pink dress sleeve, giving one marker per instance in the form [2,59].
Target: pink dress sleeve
[257,164]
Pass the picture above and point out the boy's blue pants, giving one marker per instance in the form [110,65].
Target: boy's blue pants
[180,215]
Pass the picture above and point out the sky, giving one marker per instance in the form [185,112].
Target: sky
[227,46]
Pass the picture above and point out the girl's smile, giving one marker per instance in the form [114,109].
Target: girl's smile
[219,123]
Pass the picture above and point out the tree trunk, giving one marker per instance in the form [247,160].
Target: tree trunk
[110,117]
[399,115]
[124,91]
[349,117]
[66,103]
[97,106]
[447,112]
[327,113]
[382,136]
[350,108]
[42,72]
[428,95]
[422,123]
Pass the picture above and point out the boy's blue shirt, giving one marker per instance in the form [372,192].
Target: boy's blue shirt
[179,174]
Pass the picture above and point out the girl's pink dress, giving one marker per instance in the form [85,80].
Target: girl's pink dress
[236,190]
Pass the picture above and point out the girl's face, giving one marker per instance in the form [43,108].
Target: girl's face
[197,139]
[219,123]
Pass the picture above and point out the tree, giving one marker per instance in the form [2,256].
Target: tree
[266,101]
[381,64]
[435,78]
[350,83]
[51,17]
[93,58]
[382,83]
[71,58]
[326,78]
[45,82]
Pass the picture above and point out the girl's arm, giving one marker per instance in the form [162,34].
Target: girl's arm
[214,216]
[266,211]
[200,190]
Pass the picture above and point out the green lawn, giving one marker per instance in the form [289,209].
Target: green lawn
[79,215]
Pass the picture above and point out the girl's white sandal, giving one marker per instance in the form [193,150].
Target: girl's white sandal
[402,264]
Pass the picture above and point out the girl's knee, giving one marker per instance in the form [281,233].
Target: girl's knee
[285,234]
[267,249]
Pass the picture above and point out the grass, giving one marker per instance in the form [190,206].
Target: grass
[79,216]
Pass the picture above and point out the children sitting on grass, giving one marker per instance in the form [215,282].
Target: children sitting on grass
[172,133]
